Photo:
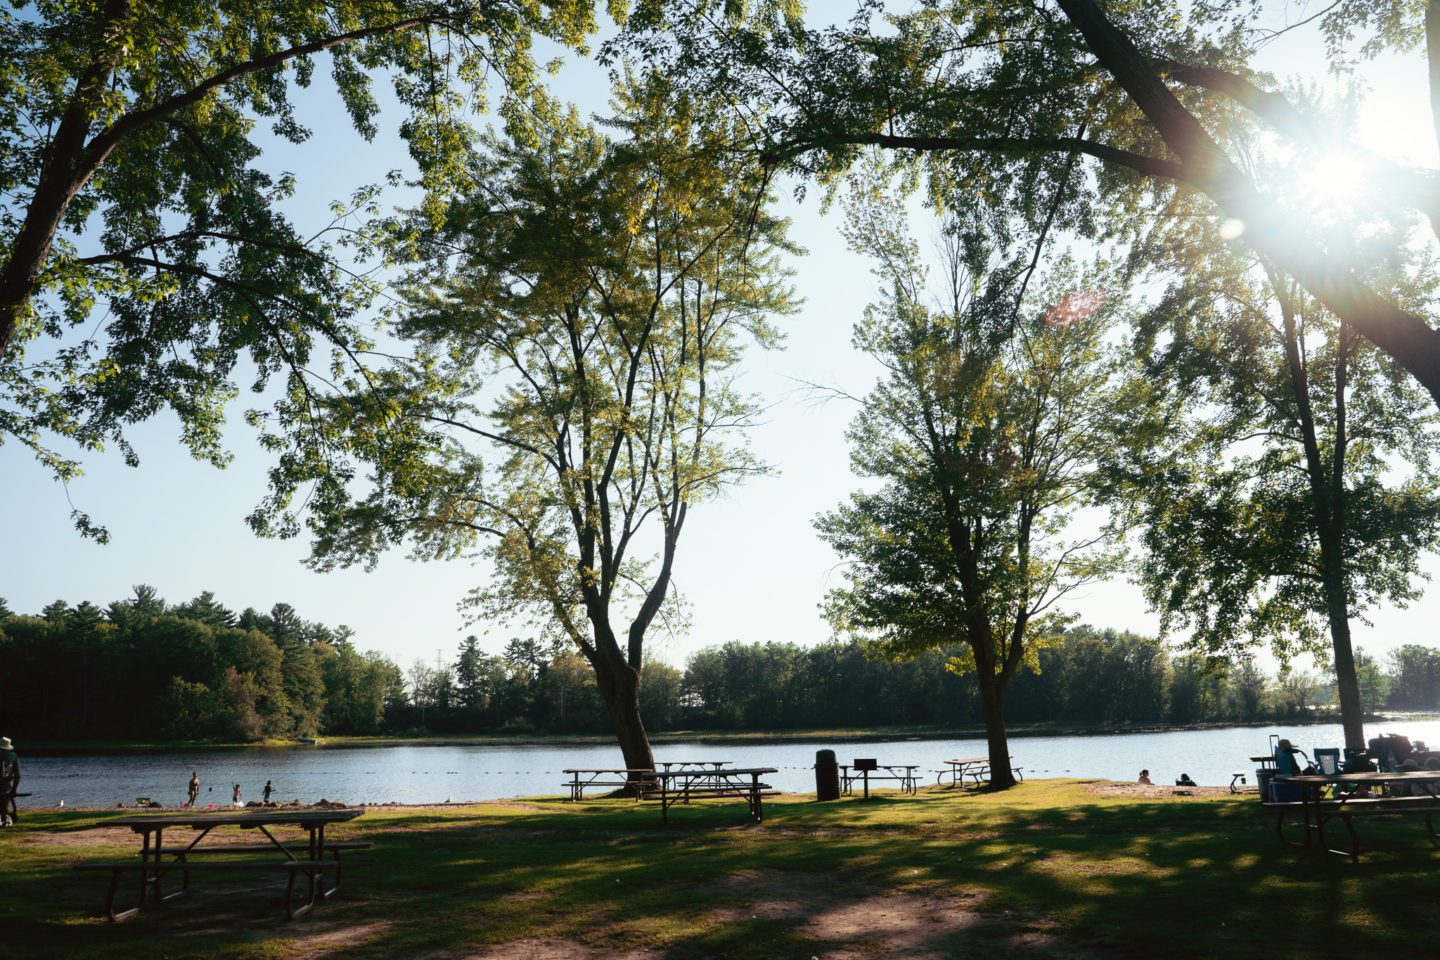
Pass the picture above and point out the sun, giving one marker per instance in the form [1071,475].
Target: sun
[1331,183]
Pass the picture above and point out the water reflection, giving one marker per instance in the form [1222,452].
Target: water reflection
[432,774]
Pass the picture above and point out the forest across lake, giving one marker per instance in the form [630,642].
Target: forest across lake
[142,669]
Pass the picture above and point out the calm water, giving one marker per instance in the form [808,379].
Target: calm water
[431,774]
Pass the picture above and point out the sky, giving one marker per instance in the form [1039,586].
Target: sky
[749,564]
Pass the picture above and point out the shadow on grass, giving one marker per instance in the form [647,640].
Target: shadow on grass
[1044,870]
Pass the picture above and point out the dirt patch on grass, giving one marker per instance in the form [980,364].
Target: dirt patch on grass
[334,940]
[1154,791]
[560,950]
[850,921]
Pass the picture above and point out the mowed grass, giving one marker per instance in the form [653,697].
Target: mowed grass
[1052,868]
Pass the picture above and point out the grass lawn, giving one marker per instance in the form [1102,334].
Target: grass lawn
[1052,868]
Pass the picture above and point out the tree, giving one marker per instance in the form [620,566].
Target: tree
[468,690]
[1000,100]
[1299,689]
[587,335]
[985,432]
[206,609]
[1414,677]
[1293,482]
[129,173]
[1374,687]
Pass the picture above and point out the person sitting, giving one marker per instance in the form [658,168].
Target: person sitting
[1144,778]
[1185,781]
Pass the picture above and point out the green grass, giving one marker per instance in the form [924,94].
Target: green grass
[1049,868]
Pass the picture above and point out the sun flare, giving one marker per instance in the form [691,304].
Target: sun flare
[1331,182]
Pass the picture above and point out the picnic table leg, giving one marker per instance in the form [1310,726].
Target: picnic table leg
[110,911]
[291,910]
[155,875]
[317,853]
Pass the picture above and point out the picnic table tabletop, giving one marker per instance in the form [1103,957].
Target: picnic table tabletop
[1362,777]
[667,764]
[232,818]
[728,771]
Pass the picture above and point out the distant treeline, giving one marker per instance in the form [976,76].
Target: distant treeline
[140,669]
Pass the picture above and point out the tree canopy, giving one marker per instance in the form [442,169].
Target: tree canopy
[995,99]
[987,431]
[132,180]
[584,312]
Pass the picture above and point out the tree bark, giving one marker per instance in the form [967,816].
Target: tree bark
[620,688]
[992,702]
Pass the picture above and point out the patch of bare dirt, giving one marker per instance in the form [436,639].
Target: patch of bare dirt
[559,950]
[1154,791]
[334,940]
[853,921]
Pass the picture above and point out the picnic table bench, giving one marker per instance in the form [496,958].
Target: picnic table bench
[684,785]
[866,770]
[1345,796]
[977,768]
[299,860]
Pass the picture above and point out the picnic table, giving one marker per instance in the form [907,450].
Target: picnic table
[613,777]
[302,860]
[977,768]
[867,770]
[684,785]
[1345,796]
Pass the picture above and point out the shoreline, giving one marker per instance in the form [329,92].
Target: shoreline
[1099,786]
[876,735]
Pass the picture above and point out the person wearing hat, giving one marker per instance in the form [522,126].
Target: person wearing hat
[9,782]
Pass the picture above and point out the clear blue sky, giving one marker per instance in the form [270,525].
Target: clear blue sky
[749,564]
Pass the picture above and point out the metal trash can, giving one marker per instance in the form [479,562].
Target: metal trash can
[827,776]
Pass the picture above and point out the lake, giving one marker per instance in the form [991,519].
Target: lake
[433,774]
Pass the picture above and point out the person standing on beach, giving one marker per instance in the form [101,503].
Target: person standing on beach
[235,795]
[267,791]
[194,788]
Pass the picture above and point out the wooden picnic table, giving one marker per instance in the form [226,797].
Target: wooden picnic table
[1344,796]
[903,773]
[682,786]
[299,859]
[976,768]
[613,777]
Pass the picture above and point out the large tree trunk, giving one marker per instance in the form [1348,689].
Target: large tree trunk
[620,687]
[1327,491]
[992,702]
[1352,716]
